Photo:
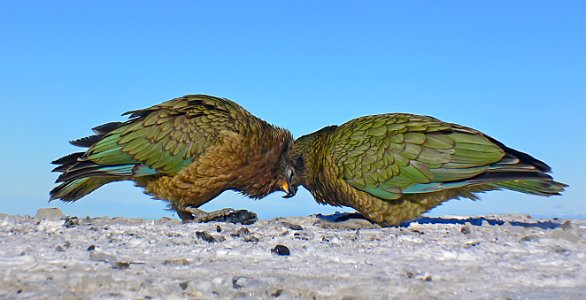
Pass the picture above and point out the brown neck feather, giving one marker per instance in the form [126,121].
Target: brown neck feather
[265,162]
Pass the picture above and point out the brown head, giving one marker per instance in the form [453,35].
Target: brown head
[266,164]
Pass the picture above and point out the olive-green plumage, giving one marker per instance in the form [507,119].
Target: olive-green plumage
[394,167]
[187,150]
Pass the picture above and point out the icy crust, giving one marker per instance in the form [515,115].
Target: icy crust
[514,257]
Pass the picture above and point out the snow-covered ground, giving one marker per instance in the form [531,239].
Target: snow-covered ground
[502,257]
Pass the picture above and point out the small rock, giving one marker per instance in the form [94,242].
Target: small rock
[121,265]
[242,232]
[277,293]
[301,236]
[251,239]
[425,277]
[184,285]
[562,251]
[292,226]
[218,228]
[465,229]
[202,235]
[239,282]
[59,249]
[51,214]
[281,250]
[567,225]
[91,248]
[418,231]
[245,234]
[71,222]
[177,262]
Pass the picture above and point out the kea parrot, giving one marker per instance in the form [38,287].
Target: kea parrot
[394,167]
[186,150]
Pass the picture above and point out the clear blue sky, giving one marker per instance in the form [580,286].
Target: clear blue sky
[513,69]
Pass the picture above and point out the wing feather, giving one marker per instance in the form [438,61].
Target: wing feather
[392,154]
[166,137]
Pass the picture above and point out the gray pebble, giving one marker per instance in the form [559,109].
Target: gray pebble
[177,262]
[465,229]
[50,214]
[239,282]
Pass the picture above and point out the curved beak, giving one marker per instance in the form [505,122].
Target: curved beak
[289,189]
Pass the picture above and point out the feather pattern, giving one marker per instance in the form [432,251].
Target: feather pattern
[393,167]
[182,150]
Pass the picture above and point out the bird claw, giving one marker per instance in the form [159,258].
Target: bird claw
[227,215]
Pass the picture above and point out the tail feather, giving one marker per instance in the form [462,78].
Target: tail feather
[86,142]
[80,176]
[106,128]
[73,190]
[93,170]
[68,159]
[521,172]
[522,157]
[541,187]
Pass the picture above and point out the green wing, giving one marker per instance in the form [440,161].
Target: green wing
[160,140]
[394,154]
[167,137]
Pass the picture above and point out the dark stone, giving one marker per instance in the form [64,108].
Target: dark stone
[71,222]
[242,232]
[91,248]
[281,250]
[277,293]
[251,239]
[292,226]
[202,235]
[121,265]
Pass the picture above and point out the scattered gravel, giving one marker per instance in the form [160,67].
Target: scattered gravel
[53,256]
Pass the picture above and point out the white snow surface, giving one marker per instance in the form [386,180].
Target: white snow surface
[490,257]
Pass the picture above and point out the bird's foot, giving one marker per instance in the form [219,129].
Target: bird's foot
[228,215]
[341,217]
[345,221]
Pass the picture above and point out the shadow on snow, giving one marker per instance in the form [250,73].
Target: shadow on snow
[475,221]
